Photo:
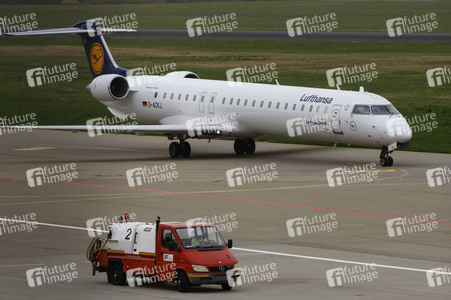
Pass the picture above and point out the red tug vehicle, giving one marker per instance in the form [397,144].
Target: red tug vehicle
[175,252]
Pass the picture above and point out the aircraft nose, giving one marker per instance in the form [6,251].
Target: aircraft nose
[406,135]
[399,129]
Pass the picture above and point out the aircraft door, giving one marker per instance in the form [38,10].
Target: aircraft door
[211,104]
[203,96]
[167,256]
[336,125]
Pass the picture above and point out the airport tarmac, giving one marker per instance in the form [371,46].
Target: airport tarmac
[261,211]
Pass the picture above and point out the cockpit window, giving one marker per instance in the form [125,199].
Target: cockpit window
[375,110]
[379,110]
[361,109]
[392,109]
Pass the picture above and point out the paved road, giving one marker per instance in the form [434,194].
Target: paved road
[201,190]
[283,35]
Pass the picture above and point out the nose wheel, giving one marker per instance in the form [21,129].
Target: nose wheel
[385,159]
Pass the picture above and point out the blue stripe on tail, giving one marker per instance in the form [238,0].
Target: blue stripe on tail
[99,56]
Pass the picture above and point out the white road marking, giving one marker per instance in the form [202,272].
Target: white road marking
[338,260]
[262,251]
[53,225]
[23,265]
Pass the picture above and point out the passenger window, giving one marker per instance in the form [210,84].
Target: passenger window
[311,108]
[261,104]
[223,100]
[361,109]
[245,102]
[172,96]
[164,96]
[286,106]
[278,105]
[186,97]
[156,94]
[180,97]
[294,106]
[194,98]
[231,101]
[238,102]
[253,103]
[317,109]
[269,104]
[302,108]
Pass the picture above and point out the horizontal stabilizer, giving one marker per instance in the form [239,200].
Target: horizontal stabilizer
[67,31]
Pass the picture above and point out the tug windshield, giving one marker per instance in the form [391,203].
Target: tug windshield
[200,237]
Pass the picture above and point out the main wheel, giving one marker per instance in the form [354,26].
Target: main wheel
[239,146]
[250,146]
[383,161]
[182,281]
[185,149]
[175,150]
[116,275]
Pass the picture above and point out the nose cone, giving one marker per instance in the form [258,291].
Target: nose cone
[399,130]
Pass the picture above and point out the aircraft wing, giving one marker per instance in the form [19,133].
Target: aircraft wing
[138,129]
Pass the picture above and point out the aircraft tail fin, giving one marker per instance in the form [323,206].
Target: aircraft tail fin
[100,60]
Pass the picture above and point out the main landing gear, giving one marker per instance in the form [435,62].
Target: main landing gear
[386,159]
[182,149]
[242,146]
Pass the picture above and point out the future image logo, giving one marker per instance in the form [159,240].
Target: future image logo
[438,76]
[153,174]
[351,74]
[49,275]
[254,174]
[18,23]
[308,25]
[414,24]
[401,226]
[353,174]
[47,75]
[438,176]
[439,276]
[252,274]
[208,25]
[309,225]
[46,175]
[98,126]
[99,226]
[258,73]
[349,275]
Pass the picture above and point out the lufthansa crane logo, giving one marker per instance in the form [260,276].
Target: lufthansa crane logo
[97,58]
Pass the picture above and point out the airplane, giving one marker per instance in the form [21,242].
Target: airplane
[183,106]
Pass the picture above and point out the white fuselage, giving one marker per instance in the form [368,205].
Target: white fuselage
[262,109]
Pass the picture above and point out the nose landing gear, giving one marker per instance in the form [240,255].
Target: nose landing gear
[385,159]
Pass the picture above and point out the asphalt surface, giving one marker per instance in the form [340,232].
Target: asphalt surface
[283,35]
[201,189]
